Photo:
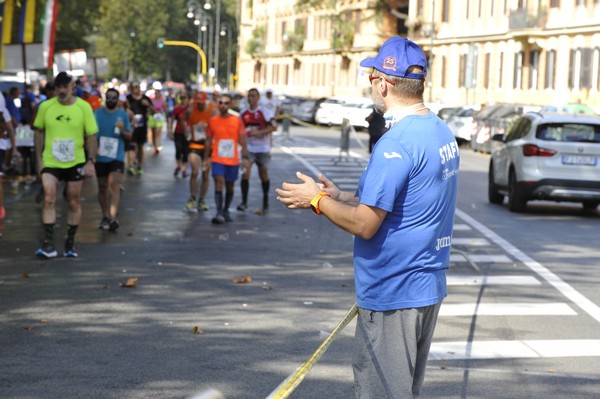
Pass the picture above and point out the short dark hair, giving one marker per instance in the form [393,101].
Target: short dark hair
[62,79]
[113,89]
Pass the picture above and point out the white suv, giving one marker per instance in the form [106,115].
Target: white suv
[547,156]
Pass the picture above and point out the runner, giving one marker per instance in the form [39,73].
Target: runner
[259,124]
[200,115]
[224,133]
[64,128]
[7,146]
[141,106]
[114,128]
[181,113]
[156,121]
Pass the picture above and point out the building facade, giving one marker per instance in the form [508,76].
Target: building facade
[539,52]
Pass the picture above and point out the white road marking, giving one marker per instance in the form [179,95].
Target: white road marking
[514,349]
[461,227]
[473,242]
[491,280]
[588,306]
[506,309]
[482,258]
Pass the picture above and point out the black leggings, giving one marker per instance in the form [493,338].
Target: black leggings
[182,148]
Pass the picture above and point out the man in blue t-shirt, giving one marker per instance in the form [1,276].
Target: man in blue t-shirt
[402,218]
[114,128]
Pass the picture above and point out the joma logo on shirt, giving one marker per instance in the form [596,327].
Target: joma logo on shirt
[443,242]
[61,118]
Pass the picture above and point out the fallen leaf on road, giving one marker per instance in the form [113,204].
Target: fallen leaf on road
[197,330]
[130,283]
[242,280]
[24,275]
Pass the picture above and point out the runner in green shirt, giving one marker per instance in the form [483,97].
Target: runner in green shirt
[65,129]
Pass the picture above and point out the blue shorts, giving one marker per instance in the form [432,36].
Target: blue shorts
[229,171]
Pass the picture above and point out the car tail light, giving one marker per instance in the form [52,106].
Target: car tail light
[532,150]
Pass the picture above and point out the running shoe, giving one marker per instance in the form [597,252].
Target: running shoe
[184,174]
[2,212]
[46,251]
[242,207]
[191,206]
[104,223]
[227,216]
[140,171]
[113,225]
[176,172]
[131,171]
[202,206]
[219,219]
[261,212]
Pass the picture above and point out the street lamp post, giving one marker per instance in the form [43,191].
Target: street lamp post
[196,12]
[217,25]
[226,30]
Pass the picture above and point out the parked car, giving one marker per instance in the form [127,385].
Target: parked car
[547,157]
[572,108]
[497,120]
[331,111]
[305,111]
[461,124]
[356,113]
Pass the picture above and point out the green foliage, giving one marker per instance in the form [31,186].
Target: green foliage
[295,39]
[343,32]
[256,44]
[126,32]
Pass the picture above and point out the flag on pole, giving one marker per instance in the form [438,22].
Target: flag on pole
[27,21]
[49,30]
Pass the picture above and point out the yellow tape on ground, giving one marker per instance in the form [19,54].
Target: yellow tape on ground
[289,384]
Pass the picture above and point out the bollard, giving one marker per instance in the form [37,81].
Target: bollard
[286,126]
[345,139]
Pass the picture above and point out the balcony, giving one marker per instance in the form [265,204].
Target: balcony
[522,19]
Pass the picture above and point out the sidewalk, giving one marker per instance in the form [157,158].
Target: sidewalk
[68,329]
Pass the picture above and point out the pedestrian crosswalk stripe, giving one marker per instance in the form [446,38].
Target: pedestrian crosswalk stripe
[461,227]
[480,258]
[475,242]
[491,280]
[507,309]
[514,349]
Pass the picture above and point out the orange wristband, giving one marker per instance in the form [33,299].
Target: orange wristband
[314,203]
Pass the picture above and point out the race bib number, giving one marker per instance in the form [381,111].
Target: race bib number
[63,150]
[158,118]
[24,136]
[108,147]
[226,148]
[139,120]
[199,131]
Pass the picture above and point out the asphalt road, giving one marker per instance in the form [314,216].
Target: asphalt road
[68,329]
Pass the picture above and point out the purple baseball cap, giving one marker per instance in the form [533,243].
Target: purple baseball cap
[396,56]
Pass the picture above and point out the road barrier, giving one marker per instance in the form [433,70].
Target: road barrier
[289,384]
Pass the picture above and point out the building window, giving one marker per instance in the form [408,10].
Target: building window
[554,3]
[492,8]
[585,76]
[462,70]
[534,59]
[419,8]
[357,21]
[479,10]
[443,71]
[486,76]
[550,68]
[580,3]
[572,54]
[445,10]
[518,70]
[467,10]
[598,67]
[501,70]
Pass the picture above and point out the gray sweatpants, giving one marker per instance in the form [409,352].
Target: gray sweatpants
[391,350]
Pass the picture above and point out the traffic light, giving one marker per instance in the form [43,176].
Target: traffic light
[160,42]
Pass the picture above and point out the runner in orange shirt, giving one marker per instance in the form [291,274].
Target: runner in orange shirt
[201,112]
[224,133]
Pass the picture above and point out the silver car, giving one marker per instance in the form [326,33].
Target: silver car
[544,156]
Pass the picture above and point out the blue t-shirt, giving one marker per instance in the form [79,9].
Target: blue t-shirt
[111,146]
[413,175]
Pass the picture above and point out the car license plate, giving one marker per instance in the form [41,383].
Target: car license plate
[579,160]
